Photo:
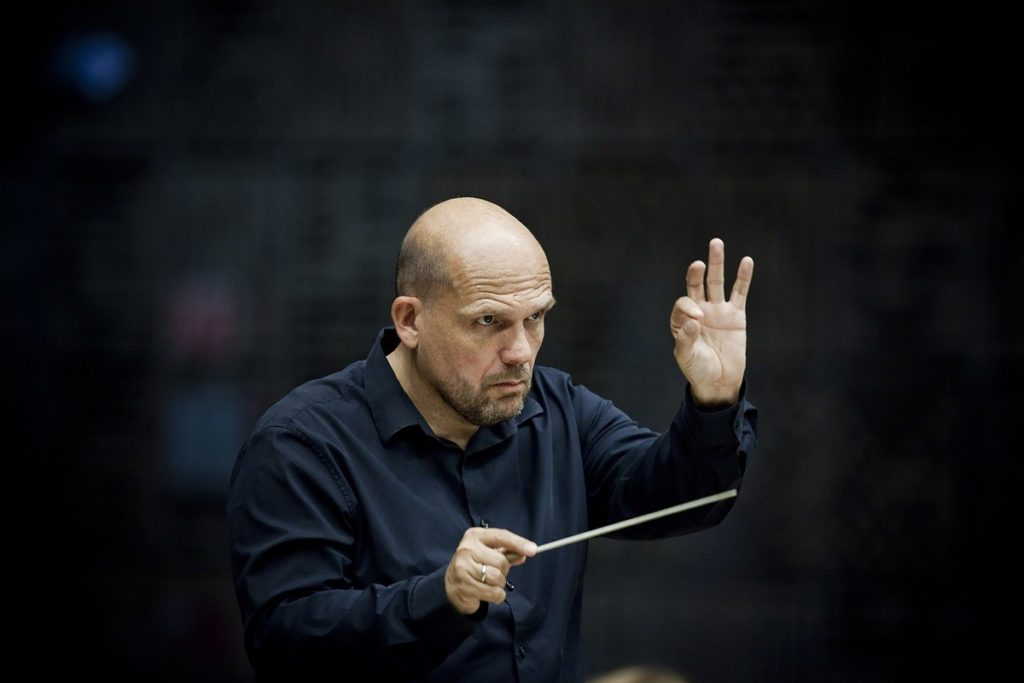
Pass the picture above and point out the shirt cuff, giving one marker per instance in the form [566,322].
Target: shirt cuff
[713,426]
[434,618]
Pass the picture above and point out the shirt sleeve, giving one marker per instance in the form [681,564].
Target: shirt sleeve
[293,527]
[631,470]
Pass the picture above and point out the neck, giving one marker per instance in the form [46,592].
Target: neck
[442,419]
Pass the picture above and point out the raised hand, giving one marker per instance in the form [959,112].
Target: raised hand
[710,332]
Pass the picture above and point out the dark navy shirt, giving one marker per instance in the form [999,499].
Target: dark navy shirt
[345,510]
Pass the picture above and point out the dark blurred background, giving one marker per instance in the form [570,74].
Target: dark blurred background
[203,201]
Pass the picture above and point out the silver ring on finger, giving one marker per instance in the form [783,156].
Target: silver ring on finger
[483,573]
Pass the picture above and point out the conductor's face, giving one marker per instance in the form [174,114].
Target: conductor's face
[480,338]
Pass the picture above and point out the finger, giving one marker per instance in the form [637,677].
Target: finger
[685,314]
[483,582]
[484,555]
[744,275]
[470,592]
[472,571]
[485,574]
[505,542]
[492,594]
[489,575]
[716,271]
[695,281]
[467,584]
[685,308]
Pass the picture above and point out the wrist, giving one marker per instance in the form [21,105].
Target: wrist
[714,399]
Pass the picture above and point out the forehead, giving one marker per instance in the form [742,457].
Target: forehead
[502,281]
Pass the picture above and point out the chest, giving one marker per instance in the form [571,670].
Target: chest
[417,499]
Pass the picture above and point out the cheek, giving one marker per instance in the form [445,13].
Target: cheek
[483,360]
[471,361]
[536,339]
[441,358]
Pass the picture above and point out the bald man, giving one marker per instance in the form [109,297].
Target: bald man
[373,512]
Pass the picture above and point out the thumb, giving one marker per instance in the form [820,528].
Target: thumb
[686,338]
[683,320]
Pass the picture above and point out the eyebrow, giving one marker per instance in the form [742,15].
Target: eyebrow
[489,308]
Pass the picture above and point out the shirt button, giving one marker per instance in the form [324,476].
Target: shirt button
[521,651]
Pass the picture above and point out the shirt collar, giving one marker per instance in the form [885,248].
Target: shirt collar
[393,411]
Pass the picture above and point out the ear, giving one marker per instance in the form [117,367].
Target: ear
[405,314]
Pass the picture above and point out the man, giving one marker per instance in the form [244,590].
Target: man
[373,512]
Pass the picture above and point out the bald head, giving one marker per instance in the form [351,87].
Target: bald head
[456,238]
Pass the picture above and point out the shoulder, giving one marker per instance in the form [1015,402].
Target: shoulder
[554,385]
[551,383]
[550,377]
[301,430]
[340,395]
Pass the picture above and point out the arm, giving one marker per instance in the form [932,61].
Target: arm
[294,530]
[705,449]
[631,471]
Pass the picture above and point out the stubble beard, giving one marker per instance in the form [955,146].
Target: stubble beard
[473,404]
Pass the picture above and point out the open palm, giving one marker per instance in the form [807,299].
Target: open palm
[710,332]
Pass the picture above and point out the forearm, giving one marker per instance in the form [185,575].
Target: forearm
[380,632]
[703,452]
[310,607]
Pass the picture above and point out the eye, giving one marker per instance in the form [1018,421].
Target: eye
[486,320]
[539,315]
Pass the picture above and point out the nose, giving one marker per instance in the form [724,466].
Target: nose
[517,349]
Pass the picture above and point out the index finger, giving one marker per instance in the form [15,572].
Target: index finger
[695,281]
[507,542]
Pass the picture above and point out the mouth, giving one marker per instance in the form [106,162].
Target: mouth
[510,383]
